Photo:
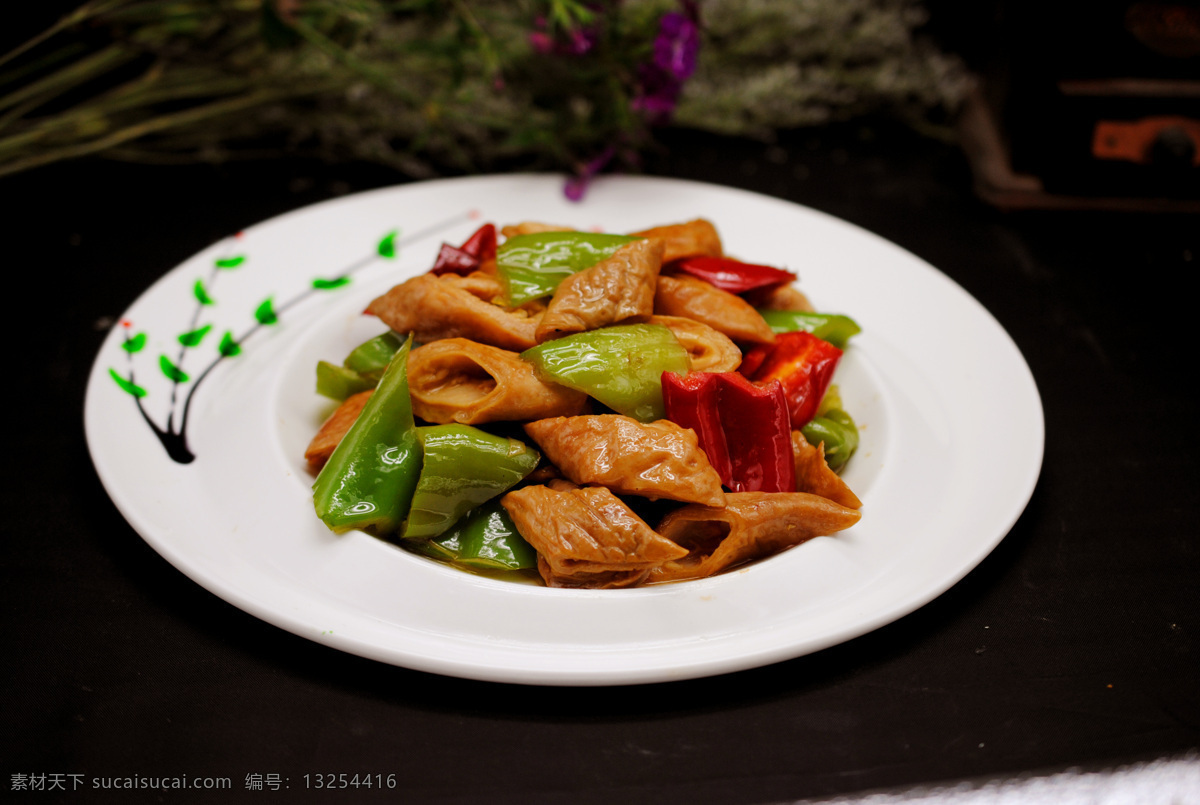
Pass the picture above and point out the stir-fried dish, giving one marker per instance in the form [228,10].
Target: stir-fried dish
[601,410]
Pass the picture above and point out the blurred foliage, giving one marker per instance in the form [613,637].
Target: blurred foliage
[430,86]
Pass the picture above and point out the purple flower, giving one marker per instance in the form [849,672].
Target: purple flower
[673,62]
[660,79]
[577,185]
[541,42]
[582,40]
[676,46]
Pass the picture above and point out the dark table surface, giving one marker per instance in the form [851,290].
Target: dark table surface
[1073,644]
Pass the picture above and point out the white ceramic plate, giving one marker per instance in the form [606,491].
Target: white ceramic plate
[951,447]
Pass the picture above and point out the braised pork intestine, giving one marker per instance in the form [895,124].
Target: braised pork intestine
[750,526]
[649,459]
[617,290]
[696,238]
[449,306]
[587,536]
[459,380]
[725,312]
[580,512]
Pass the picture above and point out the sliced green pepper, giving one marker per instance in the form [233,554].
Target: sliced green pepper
[532,266]
[338,382]
[372,356]
[839,433]
[370,478]
[464,467]
[485,539]
[361,370]
[621,366]
[832,327]
[831,400]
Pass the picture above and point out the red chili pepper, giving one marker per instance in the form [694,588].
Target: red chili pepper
[734,276]
[803,363]
[478,249]
[482,244]
[744,429]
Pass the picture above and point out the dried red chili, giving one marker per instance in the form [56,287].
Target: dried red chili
[479,248]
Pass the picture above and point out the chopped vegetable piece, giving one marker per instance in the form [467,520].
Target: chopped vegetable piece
[485,539]
[802,362]
[338,382]
[831,400]
[453,260]
[831,327]
[744,429]
[734,276]
[532,266]
[482,244]
[621,366]
[464,467]
[373,356]
[361,370]
[370,478]
[478,249]
[839,433]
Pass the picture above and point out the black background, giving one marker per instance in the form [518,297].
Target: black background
[1072,644]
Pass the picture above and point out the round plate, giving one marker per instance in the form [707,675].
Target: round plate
[201,402]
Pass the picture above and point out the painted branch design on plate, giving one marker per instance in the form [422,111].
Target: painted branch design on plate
[172,434]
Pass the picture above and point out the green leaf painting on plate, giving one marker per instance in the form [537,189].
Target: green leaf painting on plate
[387,246]
[265,312]
[173,435]
[173,372]
[329,285]
[228,347]
[192,338]
[128,386]
[201,293]
[134,344]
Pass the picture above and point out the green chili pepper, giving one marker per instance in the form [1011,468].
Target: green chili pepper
[532,266]
[338,382]
[372,356]
[832,327]
[464,467]
[485,539]
[837,430]
[370,478]
[831,400]
[621,366]
[361,370]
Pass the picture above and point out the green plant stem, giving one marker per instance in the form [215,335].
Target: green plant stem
[17,113]
[69,77]
[490,59]
[41,64]
[154,86]
[142,11]
[341,55]
[81,14]
[154,125]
